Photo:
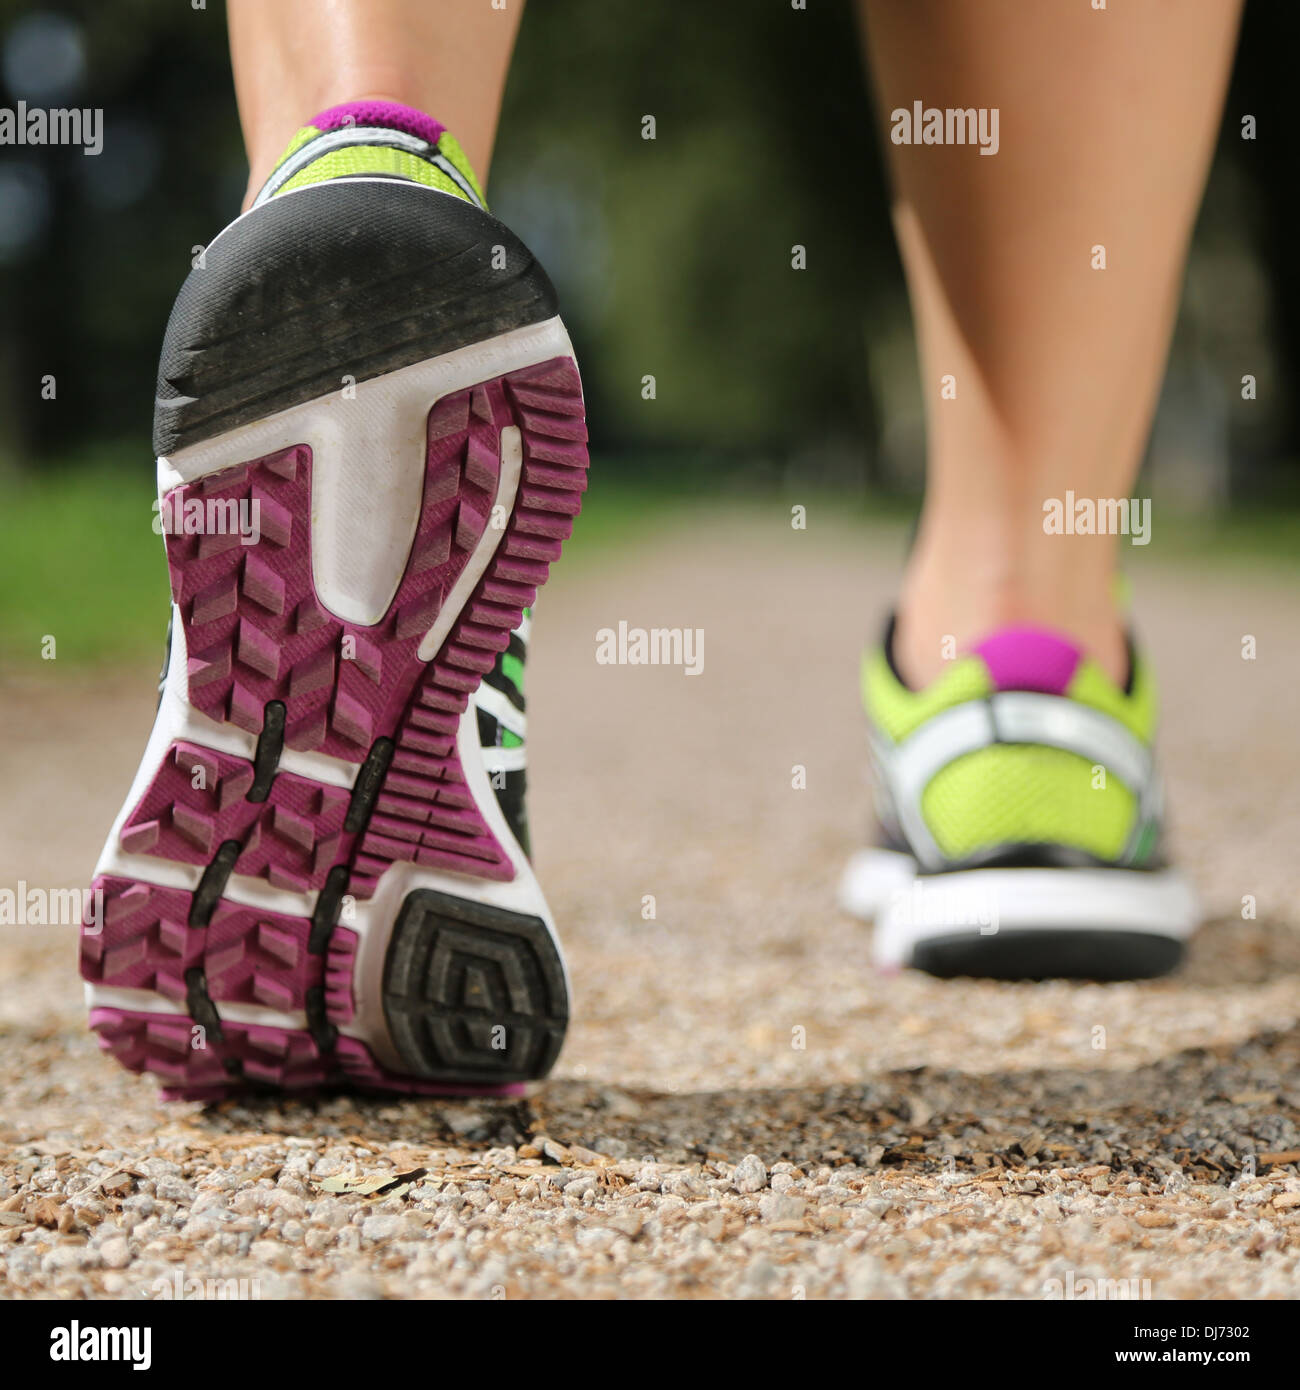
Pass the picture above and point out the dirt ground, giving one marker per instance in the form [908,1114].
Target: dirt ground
[744,1109]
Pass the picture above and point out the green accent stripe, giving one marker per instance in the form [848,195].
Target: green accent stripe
[1146,842]
[512,668]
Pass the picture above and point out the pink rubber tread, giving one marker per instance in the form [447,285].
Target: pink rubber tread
[249,955]
[292,839]
[256,631]
[164,1045]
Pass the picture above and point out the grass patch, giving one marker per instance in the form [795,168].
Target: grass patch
[80,563]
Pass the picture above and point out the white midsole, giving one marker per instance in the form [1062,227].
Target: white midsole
[910,908]
[386,527]
[146,1001]
[871,877]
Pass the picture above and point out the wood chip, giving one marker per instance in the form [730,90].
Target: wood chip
[588,1158]
[45,1211]
[387,1184]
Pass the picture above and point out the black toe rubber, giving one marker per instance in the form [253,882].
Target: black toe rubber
[347,279]
[1049,954]
[473,993]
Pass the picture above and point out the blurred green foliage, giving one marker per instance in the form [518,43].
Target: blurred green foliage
[672,255]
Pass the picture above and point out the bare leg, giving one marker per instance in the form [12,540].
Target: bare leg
[293,58]
[1107,121]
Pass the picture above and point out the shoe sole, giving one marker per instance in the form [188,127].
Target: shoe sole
[312,881]
[1022,924]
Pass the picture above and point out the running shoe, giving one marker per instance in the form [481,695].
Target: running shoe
[371,444]
[1019,818]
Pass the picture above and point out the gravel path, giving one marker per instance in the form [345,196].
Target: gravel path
[744,1108]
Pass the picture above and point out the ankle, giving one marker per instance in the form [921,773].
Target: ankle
[937,622]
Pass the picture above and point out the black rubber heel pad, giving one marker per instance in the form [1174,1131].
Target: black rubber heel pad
[345,278]
[473,993]
[1049,954]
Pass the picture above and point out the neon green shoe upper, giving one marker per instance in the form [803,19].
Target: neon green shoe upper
[1022,752]
[374,139]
